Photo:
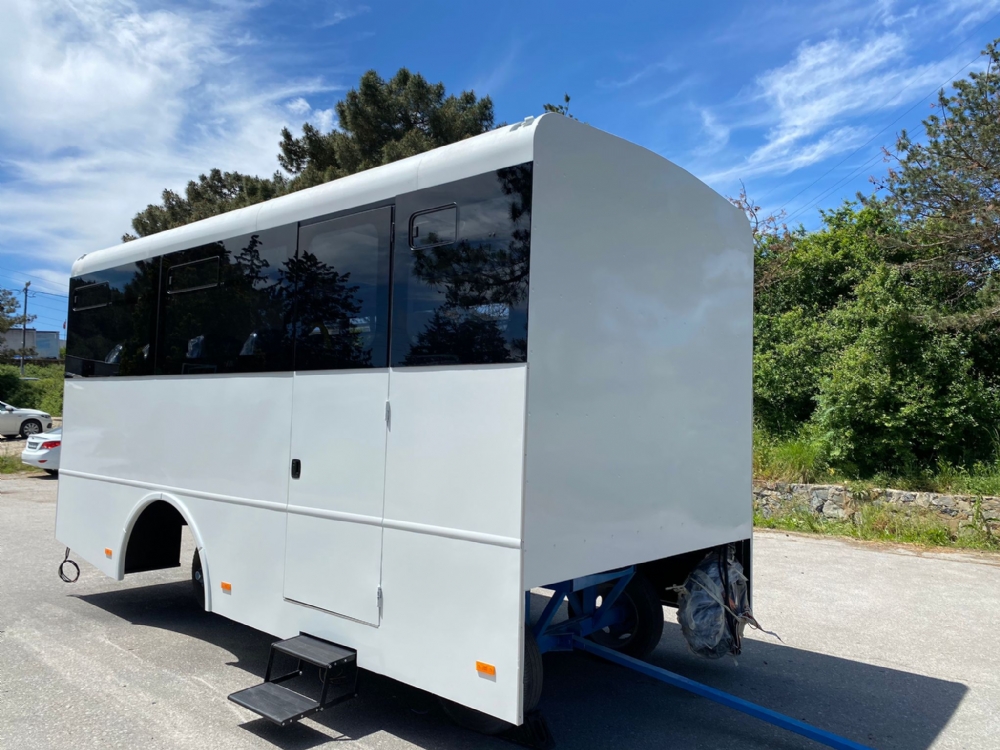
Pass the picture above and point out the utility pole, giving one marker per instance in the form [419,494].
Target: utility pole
[24,326]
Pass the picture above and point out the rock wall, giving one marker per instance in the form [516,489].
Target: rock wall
[837,501]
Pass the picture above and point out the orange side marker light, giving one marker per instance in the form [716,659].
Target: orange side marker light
[485,669]
[107,552]
[227,587]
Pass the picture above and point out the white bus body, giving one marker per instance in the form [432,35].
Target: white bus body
[445,467]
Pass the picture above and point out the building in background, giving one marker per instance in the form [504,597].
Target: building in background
[45,345]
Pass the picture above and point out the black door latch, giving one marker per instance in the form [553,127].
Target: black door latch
[296,468]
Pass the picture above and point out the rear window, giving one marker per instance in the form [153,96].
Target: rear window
[92,296]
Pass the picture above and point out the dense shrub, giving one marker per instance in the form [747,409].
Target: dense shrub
[43,391]
[853,367]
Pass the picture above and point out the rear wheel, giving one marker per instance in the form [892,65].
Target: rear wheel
[477,721]
[640,630]
[30,427]
[53,472]
[198,580]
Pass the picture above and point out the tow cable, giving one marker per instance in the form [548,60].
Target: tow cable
[66,561]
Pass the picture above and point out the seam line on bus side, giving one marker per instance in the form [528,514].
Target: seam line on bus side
[411,526]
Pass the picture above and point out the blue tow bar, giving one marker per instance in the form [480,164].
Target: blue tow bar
[731,701]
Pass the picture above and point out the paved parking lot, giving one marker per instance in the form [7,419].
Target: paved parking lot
[889,647]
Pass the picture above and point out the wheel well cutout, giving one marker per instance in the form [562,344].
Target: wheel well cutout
[155,541]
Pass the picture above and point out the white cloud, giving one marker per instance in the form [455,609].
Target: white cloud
[298,106]
[634,78]
[970,11]
[106,103]
[716,133]
[828,99]
[339,15]
[501,73]
[325,120]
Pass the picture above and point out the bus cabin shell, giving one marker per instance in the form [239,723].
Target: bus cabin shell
[339,392]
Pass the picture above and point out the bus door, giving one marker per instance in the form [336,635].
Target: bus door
[333,543]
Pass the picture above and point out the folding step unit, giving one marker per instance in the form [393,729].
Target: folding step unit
[283,705]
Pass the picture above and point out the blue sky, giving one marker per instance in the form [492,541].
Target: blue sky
[103,103]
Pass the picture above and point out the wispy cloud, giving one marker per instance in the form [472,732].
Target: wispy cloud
[113,104]
[970,12]
[498,76]
[716,134]
[339,15]
[825,100]
[637,76]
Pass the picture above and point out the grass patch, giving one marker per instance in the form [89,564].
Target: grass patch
[14,465]
[798,459]
[885,523]
[803,459]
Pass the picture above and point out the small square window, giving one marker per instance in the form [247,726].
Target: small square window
[194,276]
[432,228]
[92,296]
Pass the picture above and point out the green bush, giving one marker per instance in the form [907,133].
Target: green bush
[45,392]
[856,372]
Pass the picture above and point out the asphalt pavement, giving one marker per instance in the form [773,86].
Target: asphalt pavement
[891,647]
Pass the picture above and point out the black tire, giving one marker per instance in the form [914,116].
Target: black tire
[198,580]
[52,472]
[642,629]
[30,427]
[477,721]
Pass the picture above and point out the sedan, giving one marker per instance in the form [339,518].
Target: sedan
[23,422]
[42,450]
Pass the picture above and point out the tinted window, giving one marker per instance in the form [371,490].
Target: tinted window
[112,317]
[342,275]
[91,296]
[437,227]
[227,306]
[194,276]
[465,301]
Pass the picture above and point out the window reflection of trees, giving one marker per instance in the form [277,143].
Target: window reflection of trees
[330,329]
[114,339]
[266,303]
[484,282]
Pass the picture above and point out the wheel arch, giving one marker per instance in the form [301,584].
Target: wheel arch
[181,507]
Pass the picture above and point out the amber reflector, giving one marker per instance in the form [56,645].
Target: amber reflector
[484,668]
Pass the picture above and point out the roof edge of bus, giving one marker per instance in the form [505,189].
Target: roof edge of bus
[504,146]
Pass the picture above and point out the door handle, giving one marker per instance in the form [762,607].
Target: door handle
[296,468]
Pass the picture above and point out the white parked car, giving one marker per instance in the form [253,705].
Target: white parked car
[42,450]
[23,422]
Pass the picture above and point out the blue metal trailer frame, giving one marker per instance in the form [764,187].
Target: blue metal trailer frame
[587,616]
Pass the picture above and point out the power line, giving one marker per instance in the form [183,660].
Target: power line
[51,296]
[872,160]
[827,192]
[30,276]
[36,303]
[31,295]
[869,141]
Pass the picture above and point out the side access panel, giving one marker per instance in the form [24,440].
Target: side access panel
[451,560]
[333,547]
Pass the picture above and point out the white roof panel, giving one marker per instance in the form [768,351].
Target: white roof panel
[503,147]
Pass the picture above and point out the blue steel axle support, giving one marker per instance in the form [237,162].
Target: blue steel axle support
[730,701]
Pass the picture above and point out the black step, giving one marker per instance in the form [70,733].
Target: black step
[274,702]
[322,654]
